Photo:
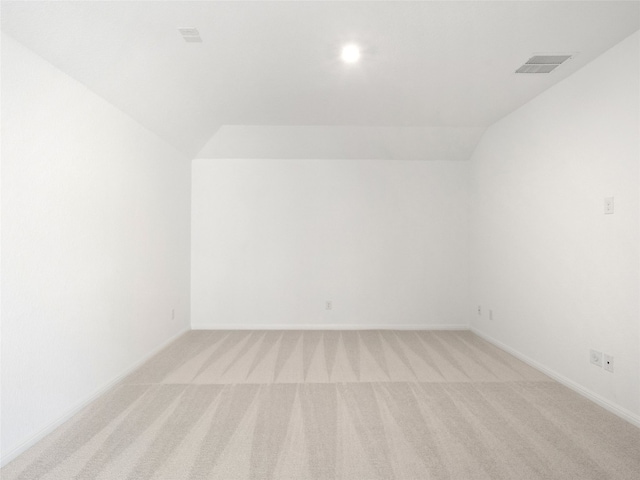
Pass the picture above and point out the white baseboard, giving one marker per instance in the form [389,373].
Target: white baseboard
[324,326]
[82,404]
[621,412]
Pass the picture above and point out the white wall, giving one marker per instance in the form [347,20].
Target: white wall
[560,276]
[95,244]
[342,142]
[272,240]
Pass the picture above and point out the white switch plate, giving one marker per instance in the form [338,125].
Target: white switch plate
[608,205]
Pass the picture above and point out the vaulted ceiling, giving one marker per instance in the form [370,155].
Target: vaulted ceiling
[266,81]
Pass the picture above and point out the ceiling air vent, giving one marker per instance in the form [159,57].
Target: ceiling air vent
[543,63]
[190,35]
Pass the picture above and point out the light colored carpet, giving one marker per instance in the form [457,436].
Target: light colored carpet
[336,405]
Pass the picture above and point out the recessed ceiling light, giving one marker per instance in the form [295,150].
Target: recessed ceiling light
[350,53]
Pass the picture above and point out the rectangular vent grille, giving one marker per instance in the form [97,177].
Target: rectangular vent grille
[190,35]
[543,63]
[536,68]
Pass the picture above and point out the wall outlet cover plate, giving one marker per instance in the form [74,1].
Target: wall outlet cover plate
[608,363]
[596,357]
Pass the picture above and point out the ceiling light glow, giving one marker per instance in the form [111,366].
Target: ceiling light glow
[350,53]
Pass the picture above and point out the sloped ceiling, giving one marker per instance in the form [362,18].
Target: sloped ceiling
[433,75]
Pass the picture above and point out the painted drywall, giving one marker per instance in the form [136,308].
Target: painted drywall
[428,63]
[273,240]
[95,244]
[559,275]
[342,142]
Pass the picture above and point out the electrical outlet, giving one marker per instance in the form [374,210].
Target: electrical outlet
[608,205]
[596,358]
[328,305]
[479,310]
[608,363]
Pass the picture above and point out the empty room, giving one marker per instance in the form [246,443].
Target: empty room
[349,240]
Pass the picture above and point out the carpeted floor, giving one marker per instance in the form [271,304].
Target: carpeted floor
[336,405]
